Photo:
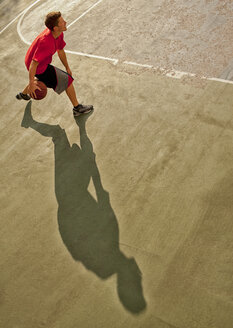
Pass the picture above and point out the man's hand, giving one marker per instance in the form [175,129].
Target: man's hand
[32,88]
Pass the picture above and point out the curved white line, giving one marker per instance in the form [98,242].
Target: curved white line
[21,18]
[18,16]
[170,73]
[19,31]
[114,60]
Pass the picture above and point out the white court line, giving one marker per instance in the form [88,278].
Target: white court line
[177,74]
[115,61]
[219,80]
[136,64]
[18,16]
[168,73]
[85,12]
[18,27]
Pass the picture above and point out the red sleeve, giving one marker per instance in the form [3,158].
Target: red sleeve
[41,51]
[61,43]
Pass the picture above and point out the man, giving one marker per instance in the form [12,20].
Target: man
[39,57]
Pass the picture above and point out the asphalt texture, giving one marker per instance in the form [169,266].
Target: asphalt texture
[122,217]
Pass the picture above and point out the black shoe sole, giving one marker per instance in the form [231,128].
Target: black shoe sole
[20,97]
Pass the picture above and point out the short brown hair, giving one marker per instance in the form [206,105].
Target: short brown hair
[51,19]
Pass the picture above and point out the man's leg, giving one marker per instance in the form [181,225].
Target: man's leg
[25,91]
[78,108]
[72,95]
[23,95]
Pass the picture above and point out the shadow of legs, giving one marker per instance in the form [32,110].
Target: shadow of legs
[88,226]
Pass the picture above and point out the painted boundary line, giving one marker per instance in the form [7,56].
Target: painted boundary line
[115,61]
[85,12]
[22,12]
[169,73]
[177,74]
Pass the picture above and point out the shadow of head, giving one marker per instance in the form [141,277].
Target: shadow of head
[129,287]
[129,277]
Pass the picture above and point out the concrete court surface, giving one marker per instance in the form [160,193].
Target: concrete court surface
[122,218]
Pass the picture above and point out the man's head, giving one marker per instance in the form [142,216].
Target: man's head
[55,22]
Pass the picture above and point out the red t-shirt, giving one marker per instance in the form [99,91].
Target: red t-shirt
[42,50]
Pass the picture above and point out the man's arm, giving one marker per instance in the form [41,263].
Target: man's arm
[63,59]
[32,85]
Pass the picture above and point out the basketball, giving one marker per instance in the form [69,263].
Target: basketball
[40,94]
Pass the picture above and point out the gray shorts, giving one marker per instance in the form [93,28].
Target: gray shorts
[55,78]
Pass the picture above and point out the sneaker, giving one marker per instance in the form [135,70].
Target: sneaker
[81,109]
[21,95]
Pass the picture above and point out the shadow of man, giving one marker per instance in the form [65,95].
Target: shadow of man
[88,227]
